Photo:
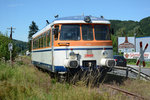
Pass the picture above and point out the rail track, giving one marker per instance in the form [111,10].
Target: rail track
[125,92]
[134,71]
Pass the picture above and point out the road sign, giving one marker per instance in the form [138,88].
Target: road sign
[10,46]
[141,59]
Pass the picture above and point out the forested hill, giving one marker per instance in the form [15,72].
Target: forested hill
[20,46]
[128,28]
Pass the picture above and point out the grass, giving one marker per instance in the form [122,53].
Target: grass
[133,62]
[19,82]
[25,82]
[138,87]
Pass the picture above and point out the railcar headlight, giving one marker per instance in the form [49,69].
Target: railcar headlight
[105,53]
[72,55]
[107,62]
[71,63]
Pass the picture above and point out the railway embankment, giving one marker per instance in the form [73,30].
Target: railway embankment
[23,81]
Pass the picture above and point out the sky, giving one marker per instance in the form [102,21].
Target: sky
[20,13]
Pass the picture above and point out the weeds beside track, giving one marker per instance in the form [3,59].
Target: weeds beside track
[25,82]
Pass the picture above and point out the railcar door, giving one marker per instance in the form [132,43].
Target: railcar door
[55,31]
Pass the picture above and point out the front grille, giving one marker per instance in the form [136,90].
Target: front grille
[89,63]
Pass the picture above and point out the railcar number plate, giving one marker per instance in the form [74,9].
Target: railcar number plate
[89,54]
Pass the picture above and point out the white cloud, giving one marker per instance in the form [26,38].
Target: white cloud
[15,5]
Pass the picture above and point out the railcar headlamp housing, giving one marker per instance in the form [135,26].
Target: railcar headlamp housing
[71,63]
[72,55]
[107,62]
[104,53]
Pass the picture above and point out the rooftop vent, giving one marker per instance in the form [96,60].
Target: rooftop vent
[87,19]
[56,16]
[102,17]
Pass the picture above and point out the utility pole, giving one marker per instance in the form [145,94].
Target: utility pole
[10,45]
[11,31]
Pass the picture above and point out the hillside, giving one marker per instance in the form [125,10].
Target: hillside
[145,25]
[21,46]
[123,28]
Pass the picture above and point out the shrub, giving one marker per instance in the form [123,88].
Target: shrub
[4,52]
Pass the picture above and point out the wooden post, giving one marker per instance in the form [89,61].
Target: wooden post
[10,48]
[139,70]
[11,58]
[127,70]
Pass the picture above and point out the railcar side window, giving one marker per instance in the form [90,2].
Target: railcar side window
[39,42]
[57,31]
[35,43]
[48,38]
[33,47]
[87,32]
[102,32]
[70,32]
[44,39]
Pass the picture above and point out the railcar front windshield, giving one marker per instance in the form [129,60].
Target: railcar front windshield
[102,32]
[70,32]
[87,32]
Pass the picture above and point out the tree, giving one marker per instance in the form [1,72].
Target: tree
[121,32]
[136,30]
[115,43]
[145,26]
[33,28]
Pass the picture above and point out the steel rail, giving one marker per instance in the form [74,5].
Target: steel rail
[124,91]
[140,72]
[131,69]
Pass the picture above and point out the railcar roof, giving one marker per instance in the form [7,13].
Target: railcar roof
[80,19]
[43,30]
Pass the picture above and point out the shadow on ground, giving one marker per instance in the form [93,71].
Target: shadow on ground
[110,79]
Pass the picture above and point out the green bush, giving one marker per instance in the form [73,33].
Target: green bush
[131,61]
[4,52]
